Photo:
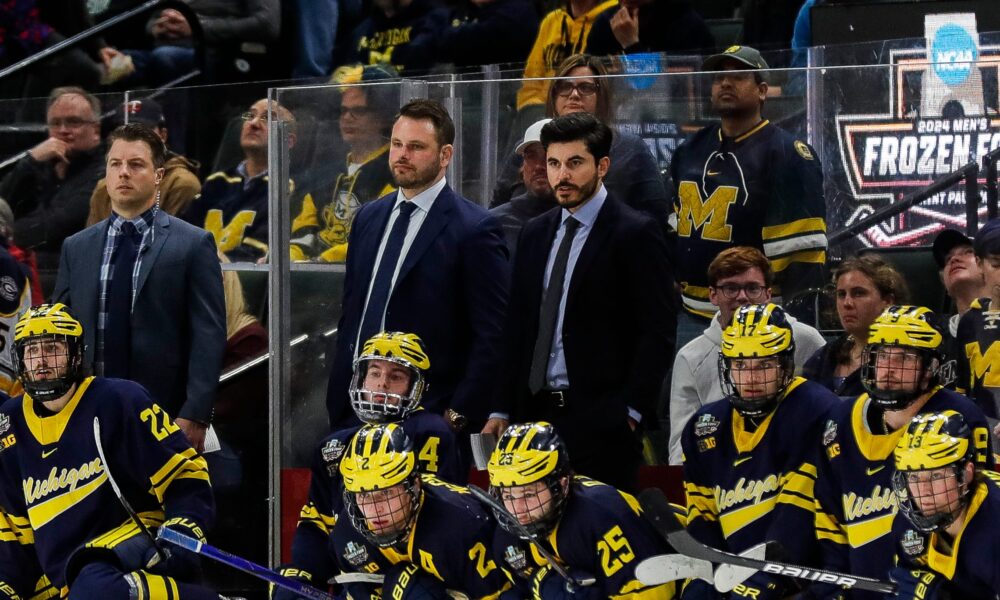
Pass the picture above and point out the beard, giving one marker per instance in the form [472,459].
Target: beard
[733,111]
[583,193]
[416,178]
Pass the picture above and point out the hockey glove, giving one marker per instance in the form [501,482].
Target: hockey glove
[280,593]
[761,586]
[406,581]
[548,584]
[180,563]
[918,585]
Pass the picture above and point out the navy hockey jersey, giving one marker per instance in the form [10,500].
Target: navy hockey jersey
[322,224]
[601,533]
[979,367]
[437,455]
[234,210]
[746,486]
[56,494]
[855,503]
[762,189]
[449,540]
[970,562]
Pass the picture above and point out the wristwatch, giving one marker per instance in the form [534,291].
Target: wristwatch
[455,420]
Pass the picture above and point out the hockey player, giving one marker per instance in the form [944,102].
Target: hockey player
[748,459]
[946,530]
[426,536]
[901,369]
[593,529]
[979,329]
[387,387]
[57,502]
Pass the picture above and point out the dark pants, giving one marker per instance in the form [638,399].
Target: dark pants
[603,449]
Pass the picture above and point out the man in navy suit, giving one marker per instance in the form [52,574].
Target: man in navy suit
[591,321]
[425,260]
[147,288]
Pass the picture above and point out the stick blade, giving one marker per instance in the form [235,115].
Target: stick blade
[728,577]
[657,570]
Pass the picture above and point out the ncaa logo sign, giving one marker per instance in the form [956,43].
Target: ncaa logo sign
[954,53]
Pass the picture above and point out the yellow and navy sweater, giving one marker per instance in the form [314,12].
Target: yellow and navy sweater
[601,532]
[855,503]
[762,189]
[55,494]
[749,485]
[978,340]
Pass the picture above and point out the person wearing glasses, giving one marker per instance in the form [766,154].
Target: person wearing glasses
[745,182]
[633,176]
[233,203]
[322,221]
[737,277]
[49,188]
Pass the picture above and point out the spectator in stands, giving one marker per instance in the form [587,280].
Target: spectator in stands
[633,176]
[537,197]
[402,33]
[563,33]
[180,183]
[322,223]
[865,286]
[148,289]
[745,182]
[649,26]
[26,258]
[489,32]
[230,28]
[427,261]
[737,277]
[49,189]
[233,203]
[978,335]
[15,298]
[319,23]
[962,277]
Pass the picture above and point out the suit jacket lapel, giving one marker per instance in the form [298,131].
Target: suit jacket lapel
[604,227]
[161,229]
[435,221]
[367,245]
[543,248]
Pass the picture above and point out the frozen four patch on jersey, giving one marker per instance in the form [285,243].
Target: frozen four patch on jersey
[913,543]
[8,288]
[706,425]
[830,433]
[356,554]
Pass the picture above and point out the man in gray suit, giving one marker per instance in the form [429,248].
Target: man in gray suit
[147,288]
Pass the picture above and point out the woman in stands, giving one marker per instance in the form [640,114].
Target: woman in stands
[633,176]
[865,286]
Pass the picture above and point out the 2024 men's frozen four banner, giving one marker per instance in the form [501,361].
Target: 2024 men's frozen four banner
[929,112]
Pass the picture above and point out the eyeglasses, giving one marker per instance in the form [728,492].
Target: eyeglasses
[355,112]
[69,123]
[752,290]
[250,116]
[566,88]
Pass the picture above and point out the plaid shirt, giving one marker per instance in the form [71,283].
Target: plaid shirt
[144,225]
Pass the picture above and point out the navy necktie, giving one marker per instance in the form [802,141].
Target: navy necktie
[550,310]
[117,331]
[382,285]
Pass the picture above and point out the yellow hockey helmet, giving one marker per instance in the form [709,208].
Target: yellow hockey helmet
[525,454]
[931,442]
[48,322]
[380,458]
[911,329]
[758,331]
[384,405]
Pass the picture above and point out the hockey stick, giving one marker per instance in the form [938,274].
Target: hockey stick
[501,511]
[221,556]
[657,509]
[161,553]
[376,578]
[657,570]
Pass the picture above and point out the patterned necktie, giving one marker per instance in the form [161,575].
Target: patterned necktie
[550,310]
[117,332]
[382,286]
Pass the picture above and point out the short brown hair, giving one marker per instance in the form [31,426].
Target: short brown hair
[433,111]
[140,132]
[733,261]
[887,280]
[600,71]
